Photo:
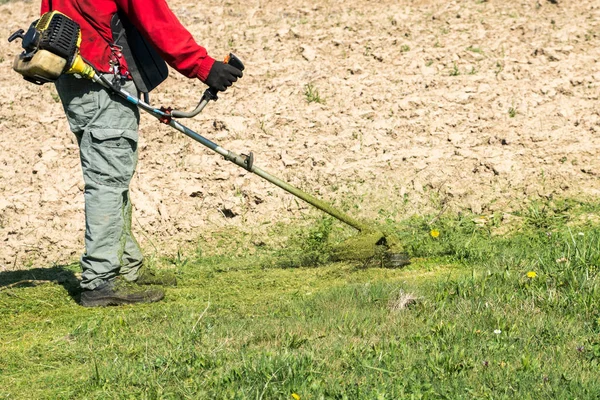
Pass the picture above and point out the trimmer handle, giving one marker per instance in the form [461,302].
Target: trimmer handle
[234,61]
[210,93]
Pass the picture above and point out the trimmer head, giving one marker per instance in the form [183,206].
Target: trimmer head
[372,248]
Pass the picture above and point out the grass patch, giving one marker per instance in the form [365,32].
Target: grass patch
[454,71]
[475,49]
[467,319]
[312,94]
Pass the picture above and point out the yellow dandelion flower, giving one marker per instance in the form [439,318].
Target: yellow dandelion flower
[531,274]
[434,233]
[295,396]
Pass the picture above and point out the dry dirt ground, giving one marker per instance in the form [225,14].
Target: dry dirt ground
[475,105]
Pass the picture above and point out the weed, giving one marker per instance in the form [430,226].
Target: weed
[499,68]
[55,96]
[179,260]
[512,112]
[312,94]
[404,48]
[475,49]
[542,215]
[454,71]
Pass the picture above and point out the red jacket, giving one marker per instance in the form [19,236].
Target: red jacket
[152,18]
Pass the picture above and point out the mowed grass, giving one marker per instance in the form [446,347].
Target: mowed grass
[502,306]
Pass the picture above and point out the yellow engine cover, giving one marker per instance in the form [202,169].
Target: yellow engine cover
[43,67]
[46,57]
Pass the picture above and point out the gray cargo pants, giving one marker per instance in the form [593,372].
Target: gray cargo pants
[106,127]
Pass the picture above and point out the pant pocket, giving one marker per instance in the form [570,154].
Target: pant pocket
[111,158]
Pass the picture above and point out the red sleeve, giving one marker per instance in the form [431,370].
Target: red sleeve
[175,44]
[45,7]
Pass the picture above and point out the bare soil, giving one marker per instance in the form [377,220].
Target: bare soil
[425,105]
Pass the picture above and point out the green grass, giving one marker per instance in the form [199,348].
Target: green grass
[475,49]
[312,94]
[238,327]
[455,71]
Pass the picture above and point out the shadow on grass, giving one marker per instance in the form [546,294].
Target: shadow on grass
[60,274]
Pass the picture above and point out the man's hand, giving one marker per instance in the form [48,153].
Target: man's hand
[222,75]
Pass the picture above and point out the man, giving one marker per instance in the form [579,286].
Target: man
[106,127]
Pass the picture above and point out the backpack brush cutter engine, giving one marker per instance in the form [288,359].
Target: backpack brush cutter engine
[51,48]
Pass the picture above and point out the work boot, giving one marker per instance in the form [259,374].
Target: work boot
[151,276]
[114,294]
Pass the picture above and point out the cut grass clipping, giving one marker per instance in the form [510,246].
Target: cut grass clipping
[497,306]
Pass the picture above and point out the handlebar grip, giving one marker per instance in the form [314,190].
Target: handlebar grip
[234,61]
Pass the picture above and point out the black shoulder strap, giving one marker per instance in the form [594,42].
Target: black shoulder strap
[146,67]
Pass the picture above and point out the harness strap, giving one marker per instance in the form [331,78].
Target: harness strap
[145,66]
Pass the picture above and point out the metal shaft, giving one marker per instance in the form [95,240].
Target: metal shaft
[241,161]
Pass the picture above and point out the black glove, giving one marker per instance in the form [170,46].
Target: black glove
[222,75]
